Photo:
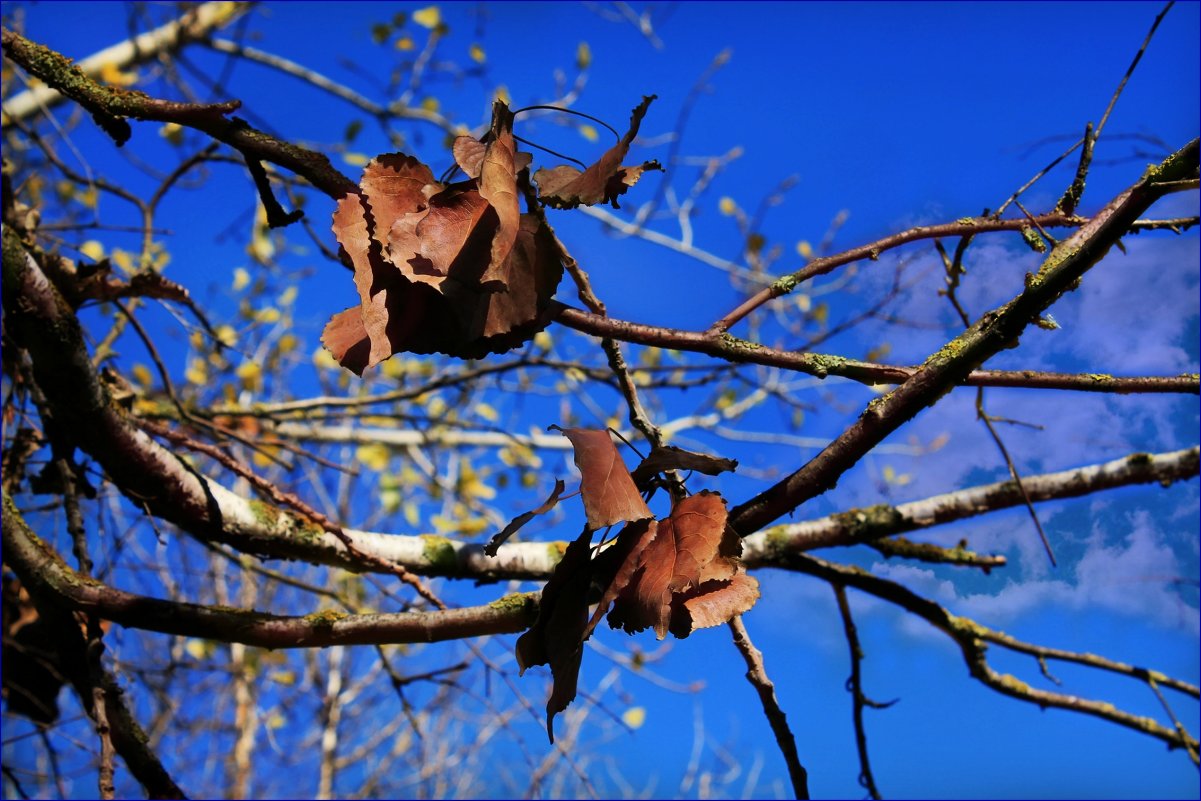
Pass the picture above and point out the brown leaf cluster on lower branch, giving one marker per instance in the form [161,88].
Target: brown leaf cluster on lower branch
[677,574]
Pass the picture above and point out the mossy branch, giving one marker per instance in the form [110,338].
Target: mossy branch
[48,577]
[973,638]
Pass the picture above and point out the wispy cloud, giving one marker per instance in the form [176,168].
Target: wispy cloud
[1135,574]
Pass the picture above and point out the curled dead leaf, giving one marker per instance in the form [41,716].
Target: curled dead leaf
[557,636]
[676,575]
[687,577]
[469,155]
[565,187]
[668,457]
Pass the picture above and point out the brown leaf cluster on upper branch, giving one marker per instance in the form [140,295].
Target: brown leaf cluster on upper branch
[458,268]
[676,575]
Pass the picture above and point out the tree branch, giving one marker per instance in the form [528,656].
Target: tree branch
[875,522]
[972,638]
[111,105]
[733,349]
[150,474]
[756,674]
[855,687]
[967,226]
[994,331]
[99,693]
[46,575]
[195,23]
[39,319]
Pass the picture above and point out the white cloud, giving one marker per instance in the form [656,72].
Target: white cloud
[1134,310]
[1133,577]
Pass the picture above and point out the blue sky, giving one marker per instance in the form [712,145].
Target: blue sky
[899,114]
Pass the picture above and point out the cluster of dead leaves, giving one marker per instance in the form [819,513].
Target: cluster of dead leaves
[676,575]
[458,268]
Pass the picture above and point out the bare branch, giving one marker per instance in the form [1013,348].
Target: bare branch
[110,106]
[966,226]
[42,571]
[733,349]
[195,23]
[994,331]
[756,674]
[971,637]
[876,522]
[855,687]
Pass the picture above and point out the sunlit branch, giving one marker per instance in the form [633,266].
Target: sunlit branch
[958,556]
[109,107]
[309,516]
[875,522]
[397,109]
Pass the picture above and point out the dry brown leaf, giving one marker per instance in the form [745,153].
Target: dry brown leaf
[450,239]
[713,603]
[668,457]
[617,565]
[527,307]
[688,571]
[346,340]
[395,184]
[609,494]
[557,636]
[374,279]
[565,187]
[498,186]
[469,155]
[677,574]
[443,269]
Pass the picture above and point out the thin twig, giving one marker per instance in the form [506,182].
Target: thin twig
[1130,70]
[288,499]
[983,416]
[756,674]
[1189,744]
[855,688]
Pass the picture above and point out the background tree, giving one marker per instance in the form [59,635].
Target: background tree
[278,583]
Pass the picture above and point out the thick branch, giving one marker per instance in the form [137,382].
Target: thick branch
[110,106]
[875,522]
[46,575]
[949,366]
[195,23]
